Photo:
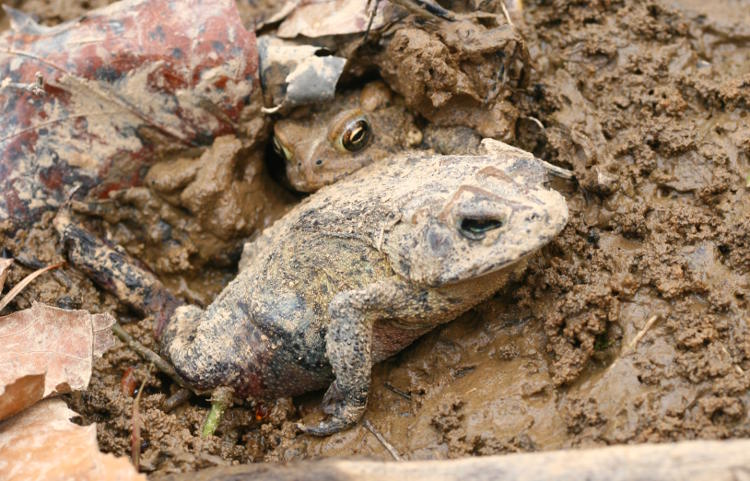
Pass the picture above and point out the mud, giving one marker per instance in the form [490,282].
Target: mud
[648,103]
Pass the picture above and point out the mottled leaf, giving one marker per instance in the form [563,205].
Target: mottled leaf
[91,102]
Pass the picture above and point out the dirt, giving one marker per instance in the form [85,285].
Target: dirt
[648,103]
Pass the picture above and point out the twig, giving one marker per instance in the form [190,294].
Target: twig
[388,446]
[149,355]
[507,15]
[25,282]
[135,438]
[536,121]
[398,391]
[372,19]
[634,343]
[425,9]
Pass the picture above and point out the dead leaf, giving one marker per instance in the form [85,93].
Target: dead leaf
[94,100]
[42,444]
[48,351]
[333,17]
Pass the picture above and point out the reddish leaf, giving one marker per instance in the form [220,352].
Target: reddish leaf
[90,102]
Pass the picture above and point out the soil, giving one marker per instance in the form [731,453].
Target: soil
[631,326]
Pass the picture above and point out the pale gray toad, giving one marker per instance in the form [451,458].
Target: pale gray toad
[363,267]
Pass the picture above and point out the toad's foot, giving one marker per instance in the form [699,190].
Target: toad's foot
[329,426]
[344,413]
[349,349]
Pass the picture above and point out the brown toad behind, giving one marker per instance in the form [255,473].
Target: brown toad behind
[322,145]
[362,268]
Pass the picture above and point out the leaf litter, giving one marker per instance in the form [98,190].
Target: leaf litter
[49,351]
[42,444]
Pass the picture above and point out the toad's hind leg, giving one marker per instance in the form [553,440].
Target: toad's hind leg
[349,349]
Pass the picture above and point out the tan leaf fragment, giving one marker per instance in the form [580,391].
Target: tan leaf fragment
[42,444]
[47,351]
[4,265]
[333,17]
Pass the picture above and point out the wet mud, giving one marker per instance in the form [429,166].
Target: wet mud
[631,326]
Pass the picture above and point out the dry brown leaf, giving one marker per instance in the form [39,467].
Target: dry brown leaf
[48,351]
[333,17]
[4,265]
[42,444]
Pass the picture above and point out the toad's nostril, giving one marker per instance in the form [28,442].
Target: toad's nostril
[319,162]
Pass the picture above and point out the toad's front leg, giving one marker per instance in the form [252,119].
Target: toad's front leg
[349,349]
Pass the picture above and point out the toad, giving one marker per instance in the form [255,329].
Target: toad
[321,145]
[363,267]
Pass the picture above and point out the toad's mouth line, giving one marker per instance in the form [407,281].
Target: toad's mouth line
[489,269]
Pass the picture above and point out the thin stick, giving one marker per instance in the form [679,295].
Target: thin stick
[149,355]
[25,282]
[372,18]
[507,15]
[419,7]
[398,391]
[634,343]
[135,438]
[388,446]
[536,121]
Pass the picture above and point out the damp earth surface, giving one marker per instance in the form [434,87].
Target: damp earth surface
[631,326]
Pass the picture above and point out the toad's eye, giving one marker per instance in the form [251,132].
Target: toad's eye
[476,229]
[356,135]
[281,149]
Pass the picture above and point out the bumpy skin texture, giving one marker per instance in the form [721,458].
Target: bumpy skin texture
[363,267]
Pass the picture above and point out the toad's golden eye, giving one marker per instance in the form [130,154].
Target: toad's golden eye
[356,135]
